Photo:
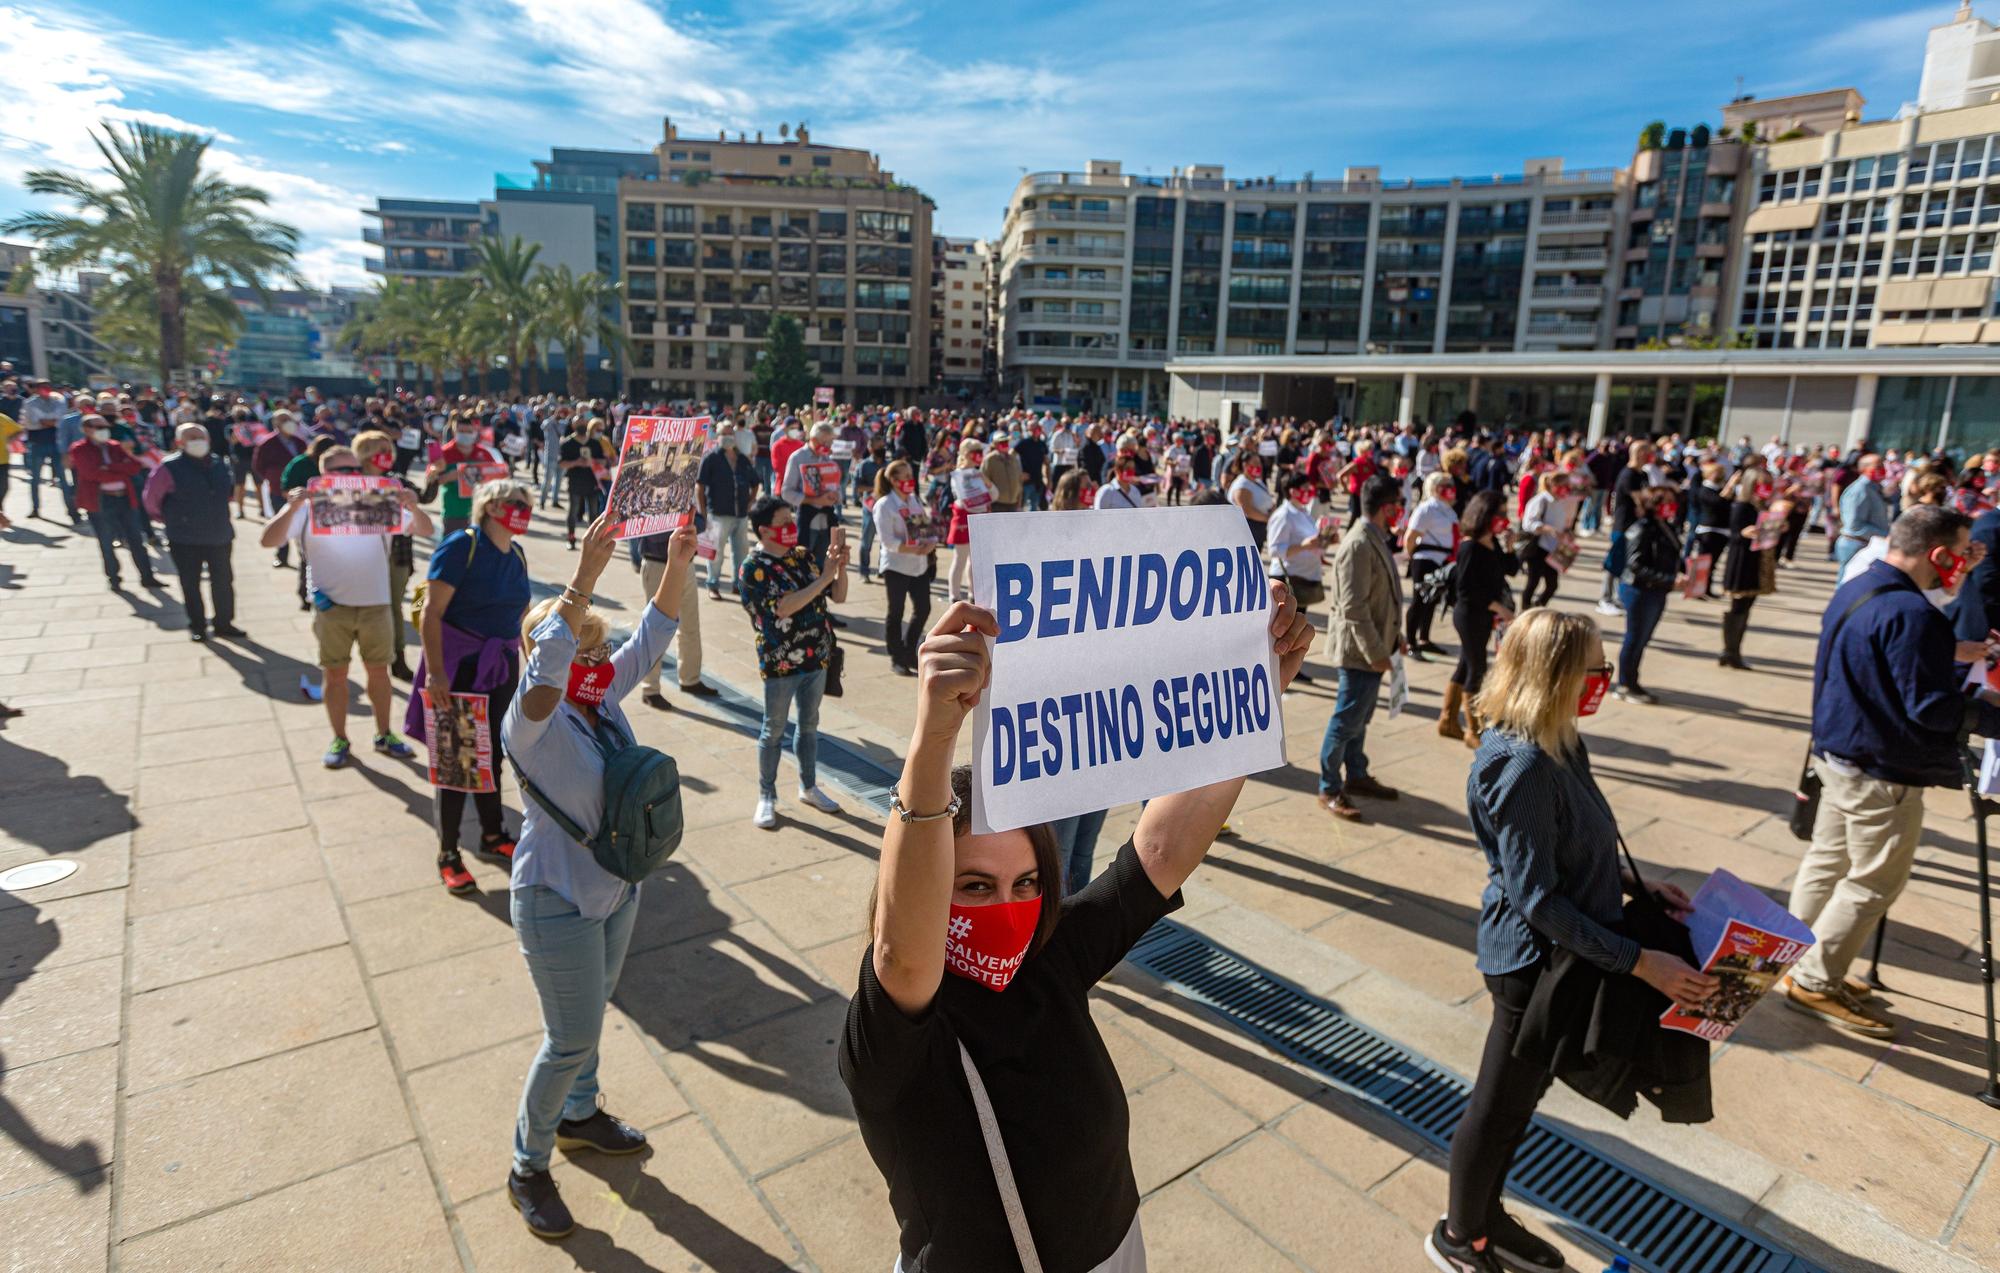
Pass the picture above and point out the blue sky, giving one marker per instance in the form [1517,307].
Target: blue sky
[328,105]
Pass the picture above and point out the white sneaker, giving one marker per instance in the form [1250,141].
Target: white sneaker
[1606,607]
[814,798]
[767,812]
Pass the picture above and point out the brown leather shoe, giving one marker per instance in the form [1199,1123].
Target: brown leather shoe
[1836,1008]
[1365,786]
[1339,807]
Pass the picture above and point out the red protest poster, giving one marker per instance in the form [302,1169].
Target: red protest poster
[1699,568]
[654,487]
[345,505]
[918,529]
[461,743]
[1747,961]
[473,475]
[1771,525]
[820,478]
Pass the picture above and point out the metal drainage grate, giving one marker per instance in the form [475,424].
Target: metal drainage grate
[1625,1213]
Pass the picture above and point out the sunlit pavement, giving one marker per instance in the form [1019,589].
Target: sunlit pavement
[252,1032]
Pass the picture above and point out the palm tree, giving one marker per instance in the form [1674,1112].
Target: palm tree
[389,321]
[126,318]
[505,270]
[164,219]
[574,306]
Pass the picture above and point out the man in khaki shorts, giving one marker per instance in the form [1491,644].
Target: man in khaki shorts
[347,578]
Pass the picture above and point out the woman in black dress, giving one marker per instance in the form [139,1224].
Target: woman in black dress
[1484,598]
[975,986]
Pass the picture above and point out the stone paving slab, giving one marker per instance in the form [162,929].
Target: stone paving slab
[252,1033]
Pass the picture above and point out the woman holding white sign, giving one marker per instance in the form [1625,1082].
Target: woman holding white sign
[936,1062]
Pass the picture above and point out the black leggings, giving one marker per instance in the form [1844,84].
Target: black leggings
[1540,571]
[582,503]
[1475,629]
[916,589]
[1417,620]
[451,804]
[1497,1117]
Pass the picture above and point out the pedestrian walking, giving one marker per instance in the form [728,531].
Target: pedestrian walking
[786,593]
[1482,598]
[189,495]
[1652,572]
[1363,633]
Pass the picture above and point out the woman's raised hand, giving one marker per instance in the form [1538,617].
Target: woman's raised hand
[954,666]
[1291,634]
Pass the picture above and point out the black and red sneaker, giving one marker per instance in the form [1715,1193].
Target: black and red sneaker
[456,878]
[497,847]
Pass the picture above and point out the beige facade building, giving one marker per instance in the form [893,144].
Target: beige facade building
[963,324]
[735,231]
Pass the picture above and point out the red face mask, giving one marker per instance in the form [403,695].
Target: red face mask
[1763,490]
[1949,569]
[822,448]
[1448,495]
[1302,496]
[1500,525]
[514,517]
[1594,687]
[1088,495]
[383,461]
[1253,472]
[1127,475]
[986,944]
[908,486]
[589,683]
[786,536]
[1668,512]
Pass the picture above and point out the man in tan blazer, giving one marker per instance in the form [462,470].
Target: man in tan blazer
[1364,631]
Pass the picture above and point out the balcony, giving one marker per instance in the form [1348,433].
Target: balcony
[1566,295]
[1027,283]
[1052,354]
[1030,218]
[1598,255]
[1067,252]
[1587,217]
[721,229]
[1059,319]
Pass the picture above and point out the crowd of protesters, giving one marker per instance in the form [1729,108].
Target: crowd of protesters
[1370,532]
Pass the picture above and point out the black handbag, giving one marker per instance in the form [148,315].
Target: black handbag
[1805,800]
[836,663]
[1307,592]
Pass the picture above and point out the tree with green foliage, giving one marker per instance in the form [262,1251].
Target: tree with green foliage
[783,374]
[1654,135]
[165,228]
[505,271]
[573,314]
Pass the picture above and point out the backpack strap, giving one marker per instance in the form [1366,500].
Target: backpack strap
[606,747]
[1819,673]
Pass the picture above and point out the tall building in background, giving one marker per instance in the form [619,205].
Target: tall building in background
[962,324]
[1104,275]
[731,233]
[423,238]
[1686,202]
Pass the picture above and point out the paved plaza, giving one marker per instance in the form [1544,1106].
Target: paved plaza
[252,1032]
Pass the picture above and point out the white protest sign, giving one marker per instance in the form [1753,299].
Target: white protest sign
[1134,660]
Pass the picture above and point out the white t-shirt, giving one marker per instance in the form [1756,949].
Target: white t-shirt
[1433,521]
[891,533]
[1111,495]
[352,570]
[1261,498]
[1289,527]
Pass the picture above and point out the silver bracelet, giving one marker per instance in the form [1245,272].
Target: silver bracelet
[897,807]
[571,594]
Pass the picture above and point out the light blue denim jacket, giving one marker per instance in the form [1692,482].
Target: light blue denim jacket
[562,759]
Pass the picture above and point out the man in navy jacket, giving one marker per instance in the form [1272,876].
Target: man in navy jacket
[1889,718]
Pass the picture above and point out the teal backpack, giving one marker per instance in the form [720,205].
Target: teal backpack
[642,807]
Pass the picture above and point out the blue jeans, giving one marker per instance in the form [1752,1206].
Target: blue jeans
[1643,608]
[1845,547]
[575,964]
[1347,729]
[552,476]
[1076,844]
[866,562]
[117,519]
[42,450]
[780,692]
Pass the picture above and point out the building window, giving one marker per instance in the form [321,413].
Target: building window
[784,161]
[833,224]
[822,161]
[701,156]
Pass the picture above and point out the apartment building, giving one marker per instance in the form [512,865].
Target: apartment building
[732,232]
[1679,230]
[1104,275]
[962,322]
[422,238]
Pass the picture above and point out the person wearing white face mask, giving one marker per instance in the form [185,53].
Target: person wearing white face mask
[106,471]
[189,495]
[268,461]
